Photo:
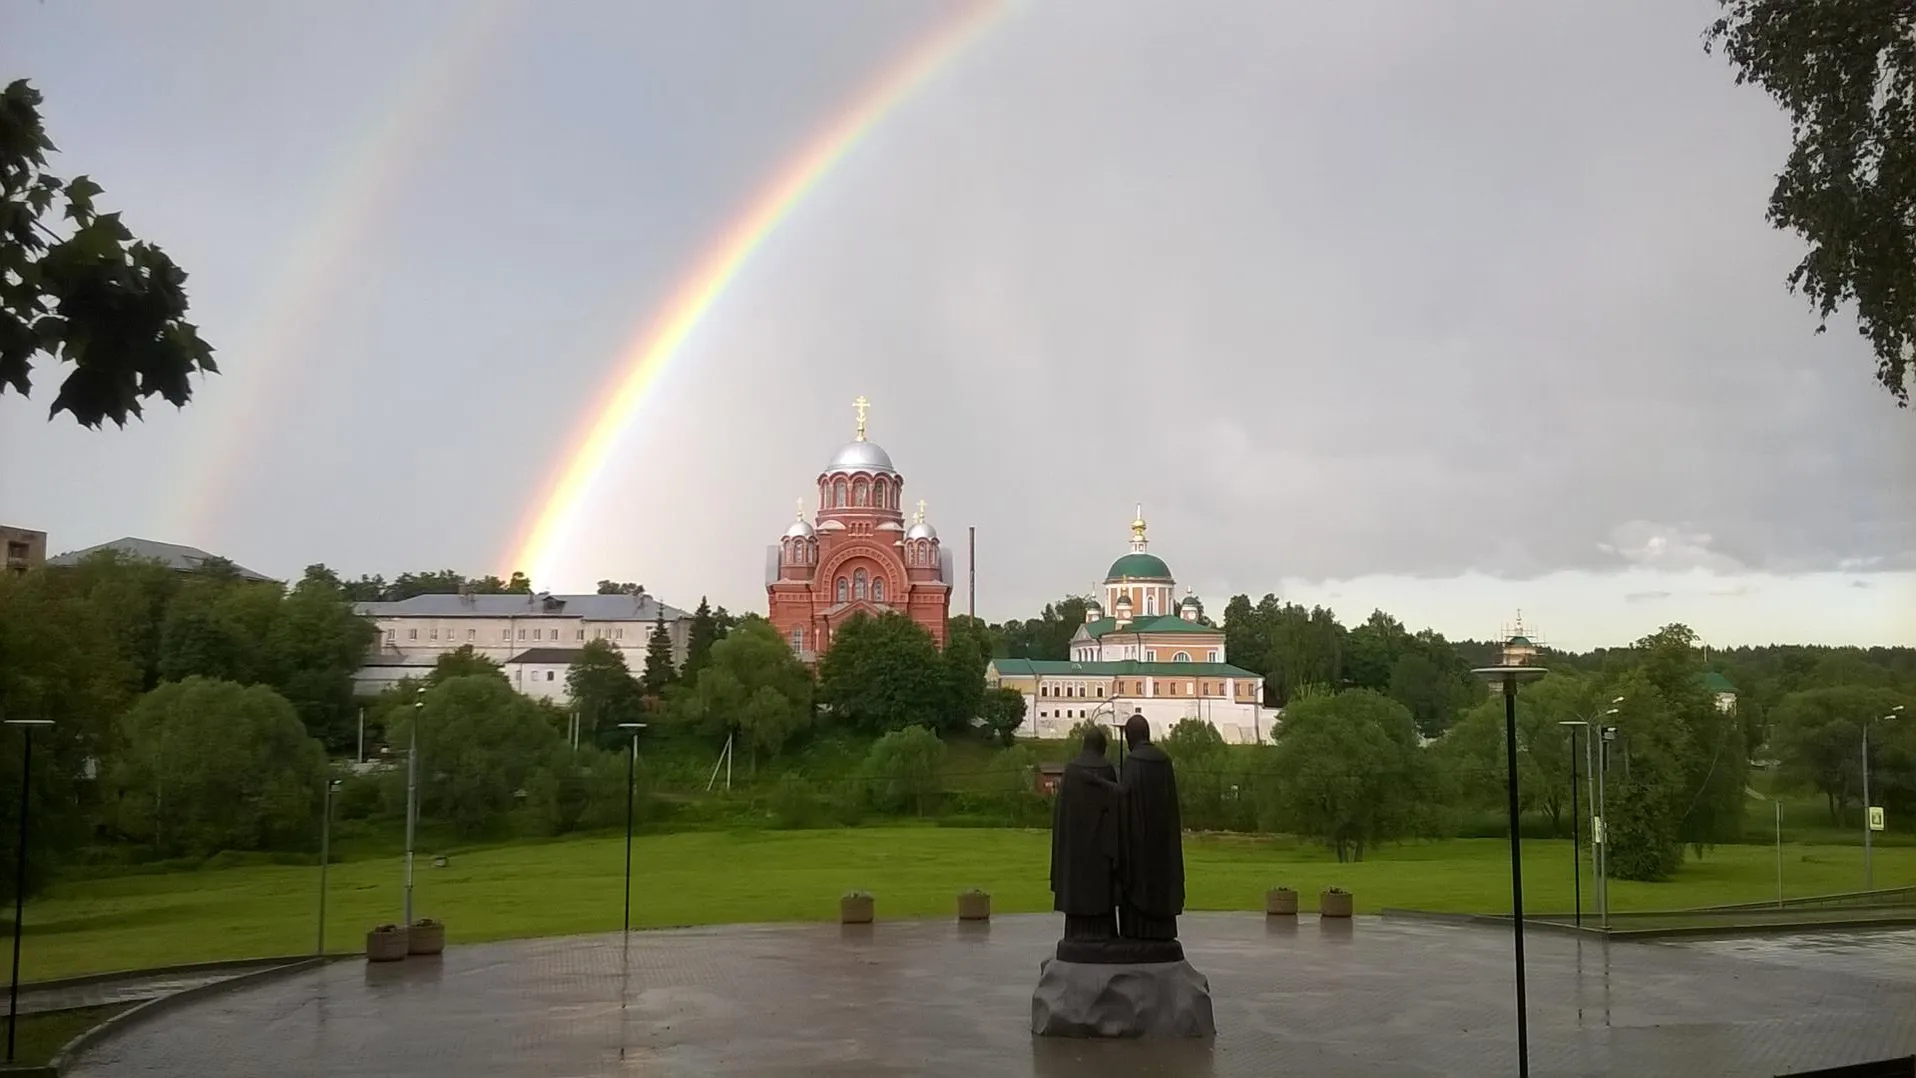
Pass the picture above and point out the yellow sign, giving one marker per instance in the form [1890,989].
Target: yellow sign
[1876,817]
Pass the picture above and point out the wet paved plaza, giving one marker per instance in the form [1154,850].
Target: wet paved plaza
[937,998]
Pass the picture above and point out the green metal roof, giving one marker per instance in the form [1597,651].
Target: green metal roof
[1123,668]
[1519,642]
[1716,682]
[1137,566]
[1157,623]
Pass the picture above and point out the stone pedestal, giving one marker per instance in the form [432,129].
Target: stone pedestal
[1121,999]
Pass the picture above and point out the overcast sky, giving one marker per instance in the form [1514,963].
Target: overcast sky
[1445,308]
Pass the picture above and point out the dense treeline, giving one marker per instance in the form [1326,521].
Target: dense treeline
[196,713]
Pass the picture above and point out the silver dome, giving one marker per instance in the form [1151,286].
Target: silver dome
[921,530]
[861,456]
[799,530]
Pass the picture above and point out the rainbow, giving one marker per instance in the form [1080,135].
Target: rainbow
[358,184]
[550,521]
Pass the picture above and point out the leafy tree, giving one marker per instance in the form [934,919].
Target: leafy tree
[884,674]
[1003,712]
[1345,771]
[1713,760]
[659,671]
[87,293]
[905,769]
[212,765]
[479,744]
[753,686]
[603,691]
[1648,795]
[967,651]
[620,587]
[1047,636]
[315,645]
[1818,740]
[59,660]
[1206,783]
[1473,751]
[463,661]
[1845,73]
[583,790]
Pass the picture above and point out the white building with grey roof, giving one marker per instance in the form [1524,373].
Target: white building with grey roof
[533,638]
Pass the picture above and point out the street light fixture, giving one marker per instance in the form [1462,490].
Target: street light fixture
[1509,676]
[412,803]
[27,726]
[1869,878]
[631,780]
[1576,839]
[325,856]
[1600,830]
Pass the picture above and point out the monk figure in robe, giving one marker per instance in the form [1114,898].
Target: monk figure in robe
[1150,839]
[1084,843]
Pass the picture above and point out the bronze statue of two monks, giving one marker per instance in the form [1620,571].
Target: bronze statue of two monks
[1117,875]
[1117,855]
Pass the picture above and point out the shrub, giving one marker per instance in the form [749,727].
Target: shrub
[794,803]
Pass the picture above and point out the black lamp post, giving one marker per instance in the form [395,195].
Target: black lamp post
[631,780]
[1576,838]
[325,856]
[27,727]
[1509,676]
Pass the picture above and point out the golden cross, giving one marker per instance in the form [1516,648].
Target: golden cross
[801,509]
[920,518]
[861,404]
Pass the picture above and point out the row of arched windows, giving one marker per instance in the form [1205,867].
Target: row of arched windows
[920,552]
[799,551]
[861,586]
[862,493]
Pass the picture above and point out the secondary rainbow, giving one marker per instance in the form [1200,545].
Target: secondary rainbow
[337,233]
[552,518]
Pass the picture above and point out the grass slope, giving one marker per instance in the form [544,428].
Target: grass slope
[574,886]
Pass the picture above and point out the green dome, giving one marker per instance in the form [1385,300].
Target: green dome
[1139,567]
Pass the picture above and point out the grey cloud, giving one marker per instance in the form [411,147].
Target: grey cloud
[1451,291]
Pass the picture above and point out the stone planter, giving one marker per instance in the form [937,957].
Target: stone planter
[426,937]
[1280,902]
[855,909]
[387,943]
[974,906]
[1334,903]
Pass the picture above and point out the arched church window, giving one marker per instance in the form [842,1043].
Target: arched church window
[878,495]
[1181,657]
[844,590]
[838,494]
[858,584]
[878,590]
[862,493]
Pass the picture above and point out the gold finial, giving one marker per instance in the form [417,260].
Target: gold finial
[801,509]
[920,518]
[861,405]
[1137,524]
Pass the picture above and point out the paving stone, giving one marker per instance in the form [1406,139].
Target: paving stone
[1366,996]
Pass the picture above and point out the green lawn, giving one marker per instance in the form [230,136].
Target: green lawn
[573,886]
[41,1035]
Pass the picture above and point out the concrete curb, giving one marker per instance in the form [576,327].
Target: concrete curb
[1626,935]
[85,979]
[161,1004]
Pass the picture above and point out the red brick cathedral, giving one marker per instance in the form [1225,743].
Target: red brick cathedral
[857,554]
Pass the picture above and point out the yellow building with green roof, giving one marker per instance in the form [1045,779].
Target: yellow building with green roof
[1140,651]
